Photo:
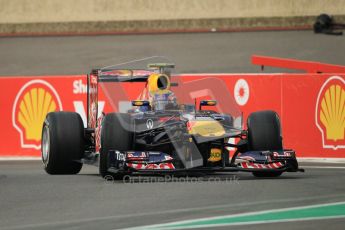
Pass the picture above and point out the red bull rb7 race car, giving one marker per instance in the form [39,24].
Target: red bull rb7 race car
[164,130]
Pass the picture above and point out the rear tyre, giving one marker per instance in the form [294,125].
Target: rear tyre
[62,143]
[264,133]
[116,134]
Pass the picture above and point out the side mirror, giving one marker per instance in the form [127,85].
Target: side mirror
[140,103]
[207,103]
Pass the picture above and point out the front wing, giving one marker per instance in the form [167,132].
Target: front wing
[149,162]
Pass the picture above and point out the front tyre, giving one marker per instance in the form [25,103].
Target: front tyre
[264,133]
[116,134]
[62,145]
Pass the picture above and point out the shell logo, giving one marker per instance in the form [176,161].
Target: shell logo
[33,102]
[330,113]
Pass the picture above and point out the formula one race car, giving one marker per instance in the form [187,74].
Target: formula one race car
[162,131]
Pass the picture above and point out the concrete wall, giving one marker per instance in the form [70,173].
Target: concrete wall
[26,15]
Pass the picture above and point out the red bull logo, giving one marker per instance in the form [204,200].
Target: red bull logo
[330,113]
[33,102]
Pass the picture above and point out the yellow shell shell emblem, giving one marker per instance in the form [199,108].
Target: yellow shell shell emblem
[33,108]
[332,114]
[33,102]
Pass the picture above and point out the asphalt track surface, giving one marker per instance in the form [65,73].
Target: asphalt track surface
[31,199]
[192,53]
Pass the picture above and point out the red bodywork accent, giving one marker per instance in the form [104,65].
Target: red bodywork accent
[98,133]
[248,165]
[92,101]
[164,119]
[151,166]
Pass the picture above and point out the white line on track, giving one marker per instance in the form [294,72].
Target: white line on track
[321,160]
[163,226]
[10,158]
[233,224]
[323,167]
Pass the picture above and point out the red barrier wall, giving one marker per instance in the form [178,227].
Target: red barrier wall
[311,107]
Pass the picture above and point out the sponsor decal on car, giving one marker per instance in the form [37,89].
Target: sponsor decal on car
[149,124]
[330,112]
[32,103]
[120,156]
[215,155]
[151,166]
[251,165]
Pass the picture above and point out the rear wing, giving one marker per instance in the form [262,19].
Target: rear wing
[133,75]
[108,75]
[123,75]
[117,75]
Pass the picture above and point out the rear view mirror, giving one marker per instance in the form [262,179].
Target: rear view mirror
[207,103]
[140,103]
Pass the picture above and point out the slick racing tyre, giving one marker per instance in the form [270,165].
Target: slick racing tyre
[62,143]
[264,133]
[116,134]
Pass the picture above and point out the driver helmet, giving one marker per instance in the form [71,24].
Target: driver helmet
[160,94]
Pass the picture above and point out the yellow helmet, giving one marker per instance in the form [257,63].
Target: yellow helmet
[158,82]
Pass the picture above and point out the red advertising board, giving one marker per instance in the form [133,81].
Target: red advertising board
[311,106]
[313,109]
[24,103]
